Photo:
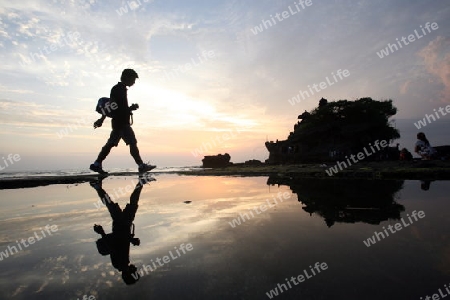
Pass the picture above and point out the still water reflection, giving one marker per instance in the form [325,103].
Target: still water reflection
[117,243]
[176,233]
[347,201]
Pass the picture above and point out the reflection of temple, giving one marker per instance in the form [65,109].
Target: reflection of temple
[346,201]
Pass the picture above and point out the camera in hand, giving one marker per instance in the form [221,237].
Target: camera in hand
[134,106]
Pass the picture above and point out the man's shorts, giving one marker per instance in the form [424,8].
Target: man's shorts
[126,133]
[124,216]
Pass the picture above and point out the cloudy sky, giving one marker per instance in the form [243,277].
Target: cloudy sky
[208,68]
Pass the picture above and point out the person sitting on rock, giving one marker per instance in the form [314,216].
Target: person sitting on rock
[423,147]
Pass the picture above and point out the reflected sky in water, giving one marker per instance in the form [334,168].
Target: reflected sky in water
[320,221]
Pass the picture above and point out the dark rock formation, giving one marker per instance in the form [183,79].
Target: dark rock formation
[217,161]
[337,129]
[443,152]
[253,162]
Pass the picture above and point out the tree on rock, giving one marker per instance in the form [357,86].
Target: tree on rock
[342,127]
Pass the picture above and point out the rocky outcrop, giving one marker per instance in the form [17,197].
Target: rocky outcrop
[217,161]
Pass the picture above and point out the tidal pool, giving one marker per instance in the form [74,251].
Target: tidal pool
[226,238]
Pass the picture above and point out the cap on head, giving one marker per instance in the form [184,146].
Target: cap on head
[128,73]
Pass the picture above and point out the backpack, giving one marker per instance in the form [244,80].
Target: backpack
[106,107]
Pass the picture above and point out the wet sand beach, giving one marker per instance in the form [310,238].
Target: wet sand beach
[432,170]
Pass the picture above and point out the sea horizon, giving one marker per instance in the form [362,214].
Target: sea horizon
[73,172]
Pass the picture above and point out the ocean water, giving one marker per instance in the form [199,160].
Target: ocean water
[226,238]
[72,172]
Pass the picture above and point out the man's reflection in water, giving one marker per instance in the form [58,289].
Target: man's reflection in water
[117,243]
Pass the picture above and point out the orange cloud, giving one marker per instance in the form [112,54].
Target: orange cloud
[436,56]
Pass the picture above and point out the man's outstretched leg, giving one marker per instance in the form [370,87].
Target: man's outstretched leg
[97,165]
[113,141]
[130,139]
[134,151]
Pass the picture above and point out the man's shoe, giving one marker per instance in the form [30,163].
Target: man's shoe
[145,168]
[98,169]
[96,184]
[144,179]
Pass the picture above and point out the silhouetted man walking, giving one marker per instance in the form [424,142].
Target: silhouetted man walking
[121,126]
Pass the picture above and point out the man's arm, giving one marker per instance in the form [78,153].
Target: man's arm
[99,122]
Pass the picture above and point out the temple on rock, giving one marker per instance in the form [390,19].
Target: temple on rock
[336,129]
